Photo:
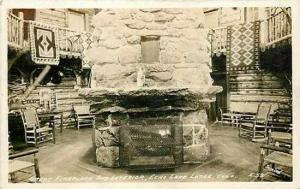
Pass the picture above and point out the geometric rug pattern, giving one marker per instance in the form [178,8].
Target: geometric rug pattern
[86,42]
[44,44]
[243,46]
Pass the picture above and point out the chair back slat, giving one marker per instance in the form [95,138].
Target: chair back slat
[30,118]
[82,109]
[263,111]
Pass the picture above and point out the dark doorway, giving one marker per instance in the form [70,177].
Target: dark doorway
[220,77]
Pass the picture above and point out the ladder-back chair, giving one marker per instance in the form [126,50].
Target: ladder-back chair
[83,116]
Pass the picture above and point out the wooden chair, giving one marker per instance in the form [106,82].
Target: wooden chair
[276,157]
[46,99]
[280,138]
[234,116]
[275,163]
[83,116]
[256,127]
[34,133]
[229,117]
[21,167]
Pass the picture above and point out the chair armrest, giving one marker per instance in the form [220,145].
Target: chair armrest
[21,154]
[275,148]
[249,115]
[221,111]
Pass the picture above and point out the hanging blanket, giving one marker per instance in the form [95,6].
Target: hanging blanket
[44,44]
[243,46]
[86,41]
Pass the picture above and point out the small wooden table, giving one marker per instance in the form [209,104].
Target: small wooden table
[50,117]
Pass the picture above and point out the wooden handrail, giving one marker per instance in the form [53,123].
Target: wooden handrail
[275,148]
[21,154]
[14,16]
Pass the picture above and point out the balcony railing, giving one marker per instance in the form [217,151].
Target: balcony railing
[218,41]
[69,42]
[273,30]
[18,36]
[15,30]
[279,26]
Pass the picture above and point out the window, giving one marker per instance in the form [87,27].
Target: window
[150,49]
[76,21]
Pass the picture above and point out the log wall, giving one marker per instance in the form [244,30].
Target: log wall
[250,88]
[62,101]
[59,17]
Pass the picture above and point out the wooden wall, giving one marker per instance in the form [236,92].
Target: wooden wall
[52,16]
[248,89]
[62,102]
[63,97]
[59,17]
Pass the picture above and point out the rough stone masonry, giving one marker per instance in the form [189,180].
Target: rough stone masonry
[176,83]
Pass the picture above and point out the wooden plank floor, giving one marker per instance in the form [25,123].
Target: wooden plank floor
[72,159]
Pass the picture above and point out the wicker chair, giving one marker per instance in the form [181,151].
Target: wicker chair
[256,127]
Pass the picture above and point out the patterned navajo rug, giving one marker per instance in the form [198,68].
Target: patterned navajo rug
[243,46]
[44,44]
[86,42]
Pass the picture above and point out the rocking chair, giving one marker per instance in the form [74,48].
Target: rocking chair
[34,133]
[256,127]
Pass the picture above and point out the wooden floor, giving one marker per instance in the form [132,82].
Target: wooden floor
[72,159]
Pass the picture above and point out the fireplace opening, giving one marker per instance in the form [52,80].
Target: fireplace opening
[151,146]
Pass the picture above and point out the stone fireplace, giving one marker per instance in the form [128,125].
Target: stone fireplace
[150,87]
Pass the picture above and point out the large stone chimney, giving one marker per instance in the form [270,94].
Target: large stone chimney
[150,87]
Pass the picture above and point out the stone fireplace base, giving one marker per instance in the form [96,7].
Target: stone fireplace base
[150,127]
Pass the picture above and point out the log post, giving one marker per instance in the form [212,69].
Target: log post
[261,165]
[12,61]
[262,15]
[37,81]
[21,28]
[36,168]
[61,122]
[78,80]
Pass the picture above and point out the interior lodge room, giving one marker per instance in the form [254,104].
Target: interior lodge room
[160,94]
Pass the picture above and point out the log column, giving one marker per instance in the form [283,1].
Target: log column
[40,78]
